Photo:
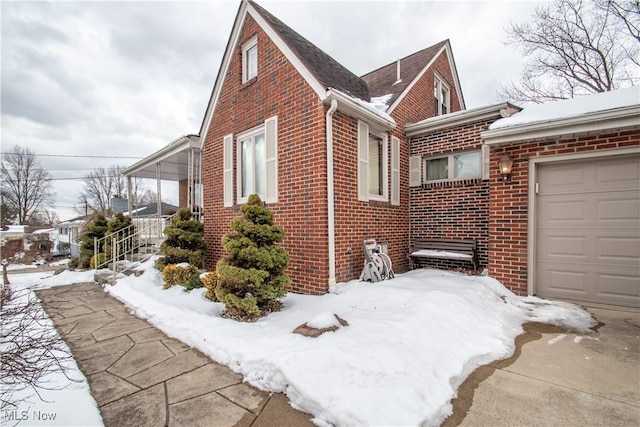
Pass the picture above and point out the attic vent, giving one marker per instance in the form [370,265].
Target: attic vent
[398,79]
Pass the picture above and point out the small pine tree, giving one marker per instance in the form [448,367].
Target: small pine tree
[184,241]
[251,277]
[96,228]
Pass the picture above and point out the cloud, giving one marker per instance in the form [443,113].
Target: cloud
[126,78]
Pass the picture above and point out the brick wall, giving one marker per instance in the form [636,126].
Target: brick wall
[455,209]
[302,207]
[418,103]
[301,211]
[509,202]
[183,187]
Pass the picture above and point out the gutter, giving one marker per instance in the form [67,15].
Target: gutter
[500,110]
[627,117]
[361,110]
[331,227]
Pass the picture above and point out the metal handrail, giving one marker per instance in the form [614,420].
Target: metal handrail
[124,242]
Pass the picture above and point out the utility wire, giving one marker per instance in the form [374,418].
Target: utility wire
[74,155]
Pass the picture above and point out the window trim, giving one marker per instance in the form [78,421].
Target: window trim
[253,42]
[439,82]
[251,133]
[450,166]
[384,197]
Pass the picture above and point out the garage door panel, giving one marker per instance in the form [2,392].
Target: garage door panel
[620,208]
[618,285]
[619,174]
[588,232]
[562,211]
[562,180]
[620,249]
[563,247]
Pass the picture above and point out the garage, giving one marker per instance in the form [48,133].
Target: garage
[587,230]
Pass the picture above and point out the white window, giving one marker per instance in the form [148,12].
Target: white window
[373,163]
[441,96]
[463,165]
[257,164]
[250,60]
[253,173]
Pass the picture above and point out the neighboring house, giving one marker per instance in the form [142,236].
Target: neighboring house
[68,238]
[566,222]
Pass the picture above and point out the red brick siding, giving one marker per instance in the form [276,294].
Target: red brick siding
[357,220]
[418,103]
[182,193]
[301,210]
[302,207]
[509,202]
[457,209]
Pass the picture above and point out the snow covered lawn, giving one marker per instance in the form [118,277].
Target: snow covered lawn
[67,400]
[410,342]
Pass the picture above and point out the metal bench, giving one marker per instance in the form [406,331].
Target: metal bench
[452,249]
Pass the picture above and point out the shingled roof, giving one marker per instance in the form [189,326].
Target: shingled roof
[383,80]
[329,72]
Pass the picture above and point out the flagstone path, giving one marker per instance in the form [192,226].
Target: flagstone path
[141,377]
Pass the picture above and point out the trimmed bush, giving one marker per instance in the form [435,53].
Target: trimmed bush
[251,279]
[102,257]
[184,241]
[185,275]
[210,281]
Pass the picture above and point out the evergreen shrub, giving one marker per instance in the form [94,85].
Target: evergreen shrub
[250,278]
[185,275]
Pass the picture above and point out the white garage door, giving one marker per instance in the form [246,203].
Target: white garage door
[588,230]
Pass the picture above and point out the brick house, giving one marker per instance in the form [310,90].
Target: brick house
[394,155]
[566,222]
[325,149]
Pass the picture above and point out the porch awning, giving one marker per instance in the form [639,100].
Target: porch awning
[173,161]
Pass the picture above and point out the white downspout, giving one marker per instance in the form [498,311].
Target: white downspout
[330,206]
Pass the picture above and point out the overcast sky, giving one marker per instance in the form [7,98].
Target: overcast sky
[126,78]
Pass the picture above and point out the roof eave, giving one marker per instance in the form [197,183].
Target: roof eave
[174,147]
[352,108]
[500,110]
[619,118]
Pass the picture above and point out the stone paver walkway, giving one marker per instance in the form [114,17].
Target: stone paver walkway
[141,377]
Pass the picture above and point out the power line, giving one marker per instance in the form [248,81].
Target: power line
[74,155]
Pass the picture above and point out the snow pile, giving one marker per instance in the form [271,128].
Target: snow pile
[381,102]
[573,107]
[67,400]
[410,343]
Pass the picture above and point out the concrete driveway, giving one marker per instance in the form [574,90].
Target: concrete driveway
[559,378]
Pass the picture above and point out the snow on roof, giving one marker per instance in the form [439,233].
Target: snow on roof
[381,102]
[370,106]
[551,111]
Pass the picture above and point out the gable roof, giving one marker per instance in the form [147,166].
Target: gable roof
[329,79]
[384,80]
[329,72]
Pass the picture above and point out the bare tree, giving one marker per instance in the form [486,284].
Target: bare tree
[103,184]
[26,186]
[576,47]
[44,217]
[100,186]
[31,348]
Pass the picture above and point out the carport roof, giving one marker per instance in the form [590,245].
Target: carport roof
[173,160]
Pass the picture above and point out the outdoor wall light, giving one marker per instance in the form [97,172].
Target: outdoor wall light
[505,164]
